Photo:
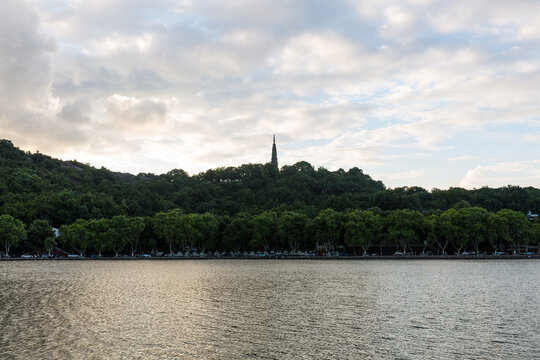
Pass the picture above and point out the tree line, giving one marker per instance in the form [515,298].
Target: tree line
[35,186]
[281,229]
[245,208]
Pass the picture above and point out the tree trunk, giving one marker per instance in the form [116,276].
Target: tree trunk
[366,248]
[134,247]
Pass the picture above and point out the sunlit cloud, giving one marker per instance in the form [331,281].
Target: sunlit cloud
[522,173]
[148,86]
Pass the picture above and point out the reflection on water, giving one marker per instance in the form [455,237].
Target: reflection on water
[230,309]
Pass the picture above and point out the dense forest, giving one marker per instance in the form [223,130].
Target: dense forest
[253,207]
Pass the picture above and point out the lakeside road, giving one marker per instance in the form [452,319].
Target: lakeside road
[383,257]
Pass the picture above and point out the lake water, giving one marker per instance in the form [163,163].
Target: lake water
[270,309]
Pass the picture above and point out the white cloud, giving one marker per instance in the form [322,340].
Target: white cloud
[343,83]
[397,178]
[133,112]
[521,173]
[531,138]
[462,158]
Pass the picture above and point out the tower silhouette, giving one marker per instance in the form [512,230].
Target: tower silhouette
[274,153]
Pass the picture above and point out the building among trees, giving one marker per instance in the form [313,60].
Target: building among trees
[274,153]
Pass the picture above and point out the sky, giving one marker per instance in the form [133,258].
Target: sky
[424,93]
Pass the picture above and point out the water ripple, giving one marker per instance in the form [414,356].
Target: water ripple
[230,309]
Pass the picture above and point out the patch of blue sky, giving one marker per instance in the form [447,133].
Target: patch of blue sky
[317,97]
[437,105]
[493,143]
[489,42]
[359,31]
[520,127]
[373,95]
[372,123]
[403,142]
[70,48]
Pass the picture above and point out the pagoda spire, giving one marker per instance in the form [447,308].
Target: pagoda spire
[274,153]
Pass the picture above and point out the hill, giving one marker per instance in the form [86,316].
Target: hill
[248,208]
[37,186]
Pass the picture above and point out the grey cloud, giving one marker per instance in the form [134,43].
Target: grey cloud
[214,75]
[148,80]
[76,112]
[135,112]
[24,54]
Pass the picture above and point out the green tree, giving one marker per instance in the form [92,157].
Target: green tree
[38,231]
[361,229]
[119,233]
[534,233]
[200,231]
[473,227]
[326,227]
[264,229]
[137,225]
[404,227]
[446,229]
[169,226]
[49,243]
[237,233]
[292,229]
[99,234]
[11,232]
[209,230]
[76,236]
[430,233]
[516,227]
[495,231]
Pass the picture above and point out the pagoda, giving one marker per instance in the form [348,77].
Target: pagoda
[274,153]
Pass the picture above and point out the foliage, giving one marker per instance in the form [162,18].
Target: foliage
[38,231]
[11,232]
[361,229]
[249,207]
[170,226]
[404,227]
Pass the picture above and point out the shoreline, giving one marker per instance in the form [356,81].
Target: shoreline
[352,257]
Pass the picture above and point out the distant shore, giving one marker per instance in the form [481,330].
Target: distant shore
[383,257]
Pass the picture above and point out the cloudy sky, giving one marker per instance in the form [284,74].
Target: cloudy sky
[421,92]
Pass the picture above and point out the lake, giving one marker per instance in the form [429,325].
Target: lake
[270,309]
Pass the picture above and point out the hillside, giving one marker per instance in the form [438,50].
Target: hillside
[36,186]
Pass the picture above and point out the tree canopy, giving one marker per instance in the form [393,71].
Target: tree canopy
[246,208]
